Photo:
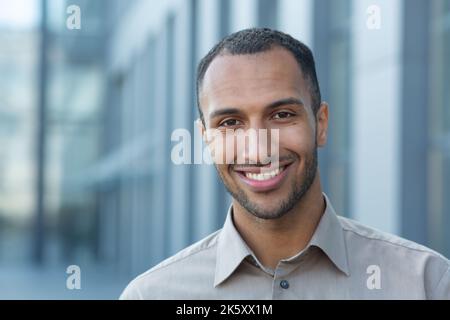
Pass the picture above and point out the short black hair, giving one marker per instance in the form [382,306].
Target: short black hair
[257,40]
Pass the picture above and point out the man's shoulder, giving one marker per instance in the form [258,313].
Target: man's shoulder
[368,236]
[195,260]
[193,251]
[405,261]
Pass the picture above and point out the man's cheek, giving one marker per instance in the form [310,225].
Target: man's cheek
[222,170]
[222,149]
[226,173]
[296,139]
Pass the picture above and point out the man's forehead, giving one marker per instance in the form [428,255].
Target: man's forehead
[276,61]
[273,73]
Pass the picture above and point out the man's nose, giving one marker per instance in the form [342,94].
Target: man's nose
[254,145]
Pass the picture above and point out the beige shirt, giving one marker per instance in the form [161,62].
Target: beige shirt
[343,260]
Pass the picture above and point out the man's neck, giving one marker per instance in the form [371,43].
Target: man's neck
[275,239]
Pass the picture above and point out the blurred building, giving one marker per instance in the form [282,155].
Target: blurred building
[18,94]
[118,87]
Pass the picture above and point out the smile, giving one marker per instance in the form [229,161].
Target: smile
[258,181]
[264,176]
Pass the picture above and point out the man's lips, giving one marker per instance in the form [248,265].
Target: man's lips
[259,169]
[263,181]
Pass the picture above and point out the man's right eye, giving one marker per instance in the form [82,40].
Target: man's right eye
[229,123]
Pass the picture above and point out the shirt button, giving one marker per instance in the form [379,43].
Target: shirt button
[284,284]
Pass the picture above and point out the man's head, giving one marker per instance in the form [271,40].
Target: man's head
[265,79]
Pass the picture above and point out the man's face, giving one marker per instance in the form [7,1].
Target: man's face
[264,91]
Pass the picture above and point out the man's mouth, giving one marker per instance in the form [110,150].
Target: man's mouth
[266,175]
[262,180]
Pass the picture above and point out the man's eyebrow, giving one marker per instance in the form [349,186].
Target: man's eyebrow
[223,112]
[285,102]
[273,105]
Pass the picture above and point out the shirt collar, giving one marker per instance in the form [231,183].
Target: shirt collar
[231,250]
[328,236]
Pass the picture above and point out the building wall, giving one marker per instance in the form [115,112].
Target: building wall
[376,127]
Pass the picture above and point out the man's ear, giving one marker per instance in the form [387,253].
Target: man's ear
[322,124]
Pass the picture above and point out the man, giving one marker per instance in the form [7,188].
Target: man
[281,238]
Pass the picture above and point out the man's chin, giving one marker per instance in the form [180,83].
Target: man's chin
[263,208]
[266,213]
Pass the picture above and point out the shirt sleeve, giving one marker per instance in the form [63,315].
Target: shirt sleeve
[442,290]
[131,292]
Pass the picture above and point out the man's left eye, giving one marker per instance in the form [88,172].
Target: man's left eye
[282,115]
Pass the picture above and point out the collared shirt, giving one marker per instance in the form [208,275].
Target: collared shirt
[343,260]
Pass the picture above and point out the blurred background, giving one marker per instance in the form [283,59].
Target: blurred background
[86,116]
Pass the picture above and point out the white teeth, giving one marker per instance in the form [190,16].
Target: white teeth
[264,176]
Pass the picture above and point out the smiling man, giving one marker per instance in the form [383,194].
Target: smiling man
[282,238]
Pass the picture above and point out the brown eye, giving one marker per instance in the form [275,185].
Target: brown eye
[229,123]
[282,115]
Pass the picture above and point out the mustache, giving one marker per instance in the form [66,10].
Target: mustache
[281,159]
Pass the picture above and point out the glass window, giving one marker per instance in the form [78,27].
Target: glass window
[333,56]
[439,129]
[19,57]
